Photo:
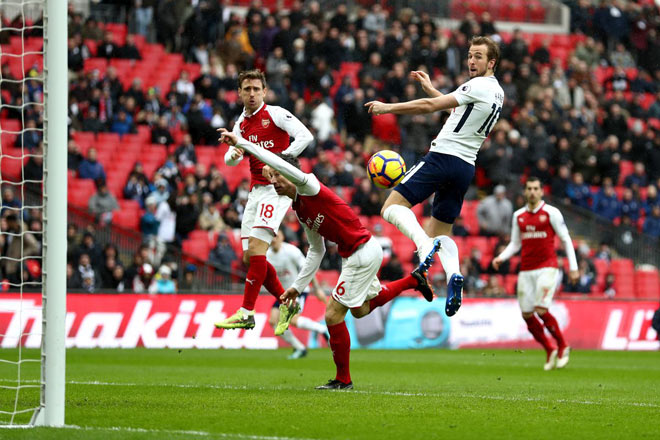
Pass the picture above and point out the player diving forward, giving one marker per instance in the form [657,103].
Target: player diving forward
[269,127]
[448,168]
[533,229]
[288,260]
[323,214]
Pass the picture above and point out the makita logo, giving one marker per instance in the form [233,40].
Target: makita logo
[263,144]
[181,323]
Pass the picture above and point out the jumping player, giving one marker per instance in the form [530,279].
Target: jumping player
[324,215]
[448,168]
[269,127]
[288,260]
[533,229]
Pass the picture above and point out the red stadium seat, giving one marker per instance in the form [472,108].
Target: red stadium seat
[327,278]
[199,249]
[626,168]
[11,167]
[127,219]
[386,128]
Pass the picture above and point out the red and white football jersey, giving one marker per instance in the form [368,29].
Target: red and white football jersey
[271,127]
[534,233]
[331,217]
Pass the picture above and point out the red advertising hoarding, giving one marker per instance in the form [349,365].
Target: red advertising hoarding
[186,321]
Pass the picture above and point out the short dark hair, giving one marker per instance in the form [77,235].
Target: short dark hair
[251,74]
[292,160]
[493,52]
[533,179]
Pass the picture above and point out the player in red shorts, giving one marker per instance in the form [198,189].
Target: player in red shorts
[324,215]
[534,229]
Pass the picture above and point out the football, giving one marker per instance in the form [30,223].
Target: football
[386,169]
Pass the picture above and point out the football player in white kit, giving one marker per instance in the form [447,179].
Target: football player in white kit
[448,167]
[533,229]
[270,127]
[288,260]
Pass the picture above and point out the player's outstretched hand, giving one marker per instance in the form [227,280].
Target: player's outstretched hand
[496,263]
[227,137]
[574,276]
[289,296]
[376,107]
[267,172]
[421,77]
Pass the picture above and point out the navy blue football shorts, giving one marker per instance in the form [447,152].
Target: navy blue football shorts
[447,176]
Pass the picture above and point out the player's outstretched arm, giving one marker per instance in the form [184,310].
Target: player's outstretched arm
[558,224]
[415,107]
[512,248]
[313,260]
[233,156]
[425,81]
[301,135]
[292,173]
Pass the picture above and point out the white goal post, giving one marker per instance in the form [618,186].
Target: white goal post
[49,410]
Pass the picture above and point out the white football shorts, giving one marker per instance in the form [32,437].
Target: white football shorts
[263,214]
[537,287]
[358,281]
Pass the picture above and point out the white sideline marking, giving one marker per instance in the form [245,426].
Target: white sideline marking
[372,393]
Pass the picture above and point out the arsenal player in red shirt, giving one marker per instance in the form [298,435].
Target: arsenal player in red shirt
[270,128]
[534,229]
[324,215]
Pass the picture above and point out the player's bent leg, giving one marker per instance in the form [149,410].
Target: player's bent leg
[536,329]
[274,316]
[563,350]
[340,343]
[396,210]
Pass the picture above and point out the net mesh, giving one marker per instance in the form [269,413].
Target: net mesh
[21,227]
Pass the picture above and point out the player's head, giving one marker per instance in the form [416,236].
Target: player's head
[533,190]
[483,56]
[282,185]
[252,88]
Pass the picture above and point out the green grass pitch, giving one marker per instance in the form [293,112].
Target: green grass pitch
[427,394]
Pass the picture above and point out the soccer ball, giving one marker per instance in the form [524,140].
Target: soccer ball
[386,169]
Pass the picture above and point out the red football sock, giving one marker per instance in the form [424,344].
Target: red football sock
[254,280]
[391,290]
[340,343]
[536,329]
[271,282]
[553,327]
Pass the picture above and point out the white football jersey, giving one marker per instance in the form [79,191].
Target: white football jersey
[287,262]
[479,106]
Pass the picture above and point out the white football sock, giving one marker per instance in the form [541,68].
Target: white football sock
[309,324]
[449,256]
[246,311]
[406,222]
[291,339]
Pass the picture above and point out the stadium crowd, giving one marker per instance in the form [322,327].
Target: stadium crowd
[577,121]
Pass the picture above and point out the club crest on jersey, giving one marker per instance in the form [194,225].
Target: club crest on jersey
[465,88]
[265,123]
[543,218]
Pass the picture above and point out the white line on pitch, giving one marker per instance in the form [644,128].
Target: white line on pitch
[380,393]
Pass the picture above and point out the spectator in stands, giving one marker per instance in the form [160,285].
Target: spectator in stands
[185,153]
[122,123]
[162,190]
[30,137]
[91,122]
[606,203]
[638,178]
[652,222]
[10,203]
[609,159]
[187,214]
[210,218]
[102,204]
[90,168]
[604,252]
[391,270]
[149,224]
[166,215]
[136,188]
[107,47]
[493,287]
[608,288]
[616,122]
[160,134]
[89,246]
[16,244]
[106,273]
[88,276]
[494,213]
[458,228]
[578,192]
[143,280]
[384,241]
[78,52]
[189,282]
[630,206]
[584,282]
[560,183]
[163,281]
[652,199]
[621,57]
[129,50]
[222,255]
[331,259]
[542,53]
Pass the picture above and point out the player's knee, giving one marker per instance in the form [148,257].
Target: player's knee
[246,258]
[272,320]
[332,318]
[527,315]
[540,311]
[359,313]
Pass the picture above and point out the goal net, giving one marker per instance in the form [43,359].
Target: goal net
[33,110]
